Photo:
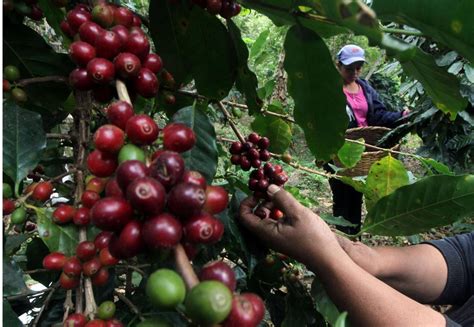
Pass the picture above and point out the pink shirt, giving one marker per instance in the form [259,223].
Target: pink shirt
[359,106]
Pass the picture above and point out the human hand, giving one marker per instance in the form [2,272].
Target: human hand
[302,235]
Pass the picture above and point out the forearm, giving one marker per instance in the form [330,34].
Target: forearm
[369,301]
[419,272]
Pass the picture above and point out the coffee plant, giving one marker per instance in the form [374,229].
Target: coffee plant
[121,196]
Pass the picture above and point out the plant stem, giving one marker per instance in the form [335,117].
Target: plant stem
[184,267]
[129,303]
[45,304]
[33,80]
[68,304]
[122,91]
[231,122]
[401,31]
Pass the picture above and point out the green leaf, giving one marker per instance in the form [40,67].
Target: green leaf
[447,59]
[13,283]
[246,82]
[13,243]
[385,176]
[316,86]
[442,87]
[342,320]
[445,21]
[339,221]
[54,16]
[10,318]
[25,48]
[350,153]
[211,55]
[439,167]
[323,303]
[169,23]
[276,129]
[431,202]
[23,140]
[203,156]
[258,45]
[62,238]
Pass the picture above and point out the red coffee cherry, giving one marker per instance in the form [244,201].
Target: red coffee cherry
[109,138]
[220,271]
[178,137]
[107,44]
[123,16]
[248,309]
[81,53]
[80,80]
[128,171]
[137,44]
[42,191]
[54,261]
[217,199]
[8,206]
[146,83]
[142,129]
[147,195]
[194,177]
[118,113]
[167,168]
[91,267]
[96,184]
[101,164]
[73,267]
[200,229]
[130,241]
[81,217]
[153,62]
[111,213]
[89,198]
[86,250]
[186,200]
[102,240]
[63,214]
[122,33]
[89,31]
[162,231]
[106,258]
[127,65]
[75,320]
[101,277]
[75,18]
[67,282]
[101,70]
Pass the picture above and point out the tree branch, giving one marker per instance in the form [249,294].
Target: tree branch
[184,267]
[231,122]
[34,80]
[129,303]
[45,304]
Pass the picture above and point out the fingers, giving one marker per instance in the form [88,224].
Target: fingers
[252,222]
[285,201]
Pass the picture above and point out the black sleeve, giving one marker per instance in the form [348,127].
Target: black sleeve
[380,115]
[458,251]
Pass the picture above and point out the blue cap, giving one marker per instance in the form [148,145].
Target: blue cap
[350,54]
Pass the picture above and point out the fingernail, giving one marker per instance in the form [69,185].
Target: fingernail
[272,189]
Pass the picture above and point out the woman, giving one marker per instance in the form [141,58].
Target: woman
[364,108]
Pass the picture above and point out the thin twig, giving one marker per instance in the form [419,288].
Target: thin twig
[33,80]
[383,149]
[45,304]
[129,303]
[231,122]
[58,136]
[68,304]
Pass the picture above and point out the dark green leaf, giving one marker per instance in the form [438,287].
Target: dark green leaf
[211,55]
[437,166]
[23,140]
[276,129]
[203,156]
[13,243]
[10,318]
[447,22]
[48,98]
[431,202]
[62,238]
[350,153]
[258,45]
[323,303]
[315,85]
[169,23]
[13,283]
[447,59]
[246,81]
[338,221]
[34,57]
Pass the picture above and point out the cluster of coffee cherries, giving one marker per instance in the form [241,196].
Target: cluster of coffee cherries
[225,8]
[92,259]
[212,301]
[104,317]
[11,74]
[110,44]
[27,8]
[250,153]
